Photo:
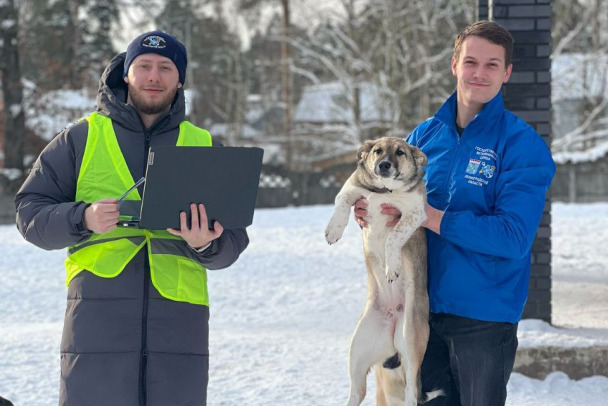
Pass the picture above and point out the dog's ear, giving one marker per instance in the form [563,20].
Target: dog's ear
[364,150]
[419,156]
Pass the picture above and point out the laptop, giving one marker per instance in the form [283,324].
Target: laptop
[224,179]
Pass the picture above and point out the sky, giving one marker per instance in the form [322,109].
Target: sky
[282,316]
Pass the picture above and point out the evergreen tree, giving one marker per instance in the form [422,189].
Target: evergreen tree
[216,72]
[67,43]
[12,89]
[50,43]
[96,33]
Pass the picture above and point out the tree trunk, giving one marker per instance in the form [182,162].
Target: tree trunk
[12,88]
[75,71]
[286,84]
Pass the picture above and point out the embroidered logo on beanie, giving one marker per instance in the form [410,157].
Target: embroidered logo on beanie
[154,41]
[161,43]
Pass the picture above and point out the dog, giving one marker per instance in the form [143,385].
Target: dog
[393,330]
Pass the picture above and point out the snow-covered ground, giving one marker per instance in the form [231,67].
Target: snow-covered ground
[282,316]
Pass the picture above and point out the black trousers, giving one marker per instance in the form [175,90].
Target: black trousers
[470,360]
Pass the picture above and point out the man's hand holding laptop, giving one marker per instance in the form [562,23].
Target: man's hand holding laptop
[101,217]
[198,236]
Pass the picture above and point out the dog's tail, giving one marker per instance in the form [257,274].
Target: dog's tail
[428,396]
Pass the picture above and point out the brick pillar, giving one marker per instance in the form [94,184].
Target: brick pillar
[528,94]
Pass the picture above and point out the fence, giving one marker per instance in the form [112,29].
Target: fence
[280,187]
[581,182]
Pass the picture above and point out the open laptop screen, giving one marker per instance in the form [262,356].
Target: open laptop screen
[224,179]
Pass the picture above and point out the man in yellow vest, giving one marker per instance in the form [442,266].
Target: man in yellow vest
[136,323]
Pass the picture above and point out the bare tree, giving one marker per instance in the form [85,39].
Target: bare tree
[580,72]
[399,49]
[286,64]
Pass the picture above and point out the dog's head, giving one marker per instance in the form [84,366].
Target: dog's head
[392,161]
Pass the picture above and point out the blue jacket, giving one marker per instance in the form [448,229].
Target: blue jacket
[491,182]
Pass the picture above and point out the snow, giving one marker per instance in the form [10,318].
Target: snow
[190,95]
[48,113]
[535,333]
[579,76]
[10,173]
[331,103]
[15,109]
[224,130]
[590,155]
[7,24]
[282,316]
[255,108]
[274,154]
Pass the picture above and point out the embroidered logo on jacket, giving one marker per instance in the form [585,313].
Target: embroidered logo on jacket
[482,167]
[487,170]
[473,165]
[154,41]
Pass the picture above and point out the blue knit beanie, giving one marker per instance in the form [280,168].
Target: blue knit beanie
[161,43]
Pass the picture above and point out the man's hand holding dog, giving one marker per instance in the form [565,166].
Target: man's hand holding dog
[432,222]
[198,235]
[387,209]
[433,219]
[361,211]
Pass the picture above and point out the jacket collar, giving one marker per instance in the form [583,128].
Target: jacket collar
[112,98]
[490,112]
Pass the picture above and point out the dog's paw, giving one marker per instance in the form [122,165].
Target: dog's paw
[336,227]
[333,233]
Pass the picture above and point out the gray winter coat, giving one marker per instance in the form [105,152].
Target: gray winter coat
[123,344]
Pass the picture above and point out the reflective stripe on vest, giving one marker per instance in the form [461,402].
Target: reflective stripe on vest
[104,173]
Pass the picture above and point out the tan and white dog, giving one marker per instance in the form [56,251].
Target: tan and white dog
[394,323]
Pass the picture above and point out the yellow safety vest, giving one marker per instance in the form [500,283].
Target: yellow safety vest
[104,173]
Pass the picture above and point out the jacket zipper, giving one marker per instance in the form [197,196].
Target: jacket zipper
[451,172]
[143,360]
[146,150]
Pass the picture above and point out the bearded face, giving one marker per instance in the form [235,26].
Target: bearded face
[153,81]
[151,100]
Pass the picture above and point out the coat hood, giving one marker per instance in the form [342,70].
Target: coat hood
[112,98]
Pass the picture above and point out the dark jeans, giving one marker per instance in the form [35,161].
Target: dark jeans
[470,360]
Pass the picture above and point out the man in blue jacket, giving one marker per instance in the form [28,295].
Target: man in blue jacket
[487,175]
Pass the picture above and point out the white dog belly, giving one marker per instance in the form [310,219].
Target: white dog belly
[390,296]
[374,235]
